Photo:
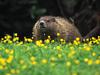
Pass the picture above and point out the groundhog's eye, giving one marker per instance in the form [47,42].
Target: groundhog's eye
[48,20]
[52,19]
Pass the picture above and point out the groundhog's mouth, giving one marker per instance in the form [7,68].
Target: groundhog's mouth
[43,30]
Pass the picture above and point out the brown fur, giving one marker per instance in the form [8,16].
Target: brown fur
[55,25]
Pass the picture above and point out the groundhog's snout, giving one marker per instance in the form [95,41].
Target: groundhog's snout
[42,24]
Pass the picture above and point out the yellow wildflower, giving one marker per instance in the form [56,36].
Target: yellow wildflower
[97,61]
[87,48]
[11,51]
[98,38]
[71,48]
[53,59]
[29,40]
[20,43]
[2,61]
[77,62]
[8,74]
[86,60]
[68,63]
[21,61]
[77,39]
[76,42]
[93,54]
[25,39]
[90,62]
[10,42]
[9,59]
[58,48]
[87,40]
[7,51]
[13,71]
[90,43]
[34,62]
[49,37]
[8,36]
[5,41]
[71,54]
[93,38]
[74,73]
[44,61]
[32,58]
[15,39]
[1,67]
[2,39]
[45,47]
[58,34]
[47,41]
[52,41]
[59,55]
[39,42]
[61,40]
[15,34]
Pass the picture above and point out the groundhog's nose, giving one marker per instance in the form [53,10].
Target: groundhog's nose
[42,24]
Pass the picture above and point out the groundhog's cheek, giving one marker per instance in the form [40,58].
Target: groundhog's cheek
[38,27]
[50,26]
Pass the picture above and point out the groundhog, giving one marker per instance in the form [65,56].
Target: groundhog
[51,25]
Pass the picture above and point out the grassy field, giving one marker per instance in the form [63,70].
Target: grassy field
[52,58]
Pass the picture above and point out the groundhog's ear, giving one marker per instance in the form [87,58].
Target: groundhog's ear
[53,19]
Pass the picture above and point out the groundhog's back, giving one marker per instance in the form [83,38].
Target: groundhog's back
[67,29]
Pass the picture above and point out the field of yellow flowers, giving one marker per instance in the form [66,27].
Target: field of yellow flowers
[50,58]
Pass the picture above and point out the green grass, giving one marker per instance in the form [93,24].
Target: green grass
[49,59]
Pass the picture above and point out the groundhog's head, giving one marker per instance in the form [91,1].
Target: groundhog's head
[46,27]
[47,23]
